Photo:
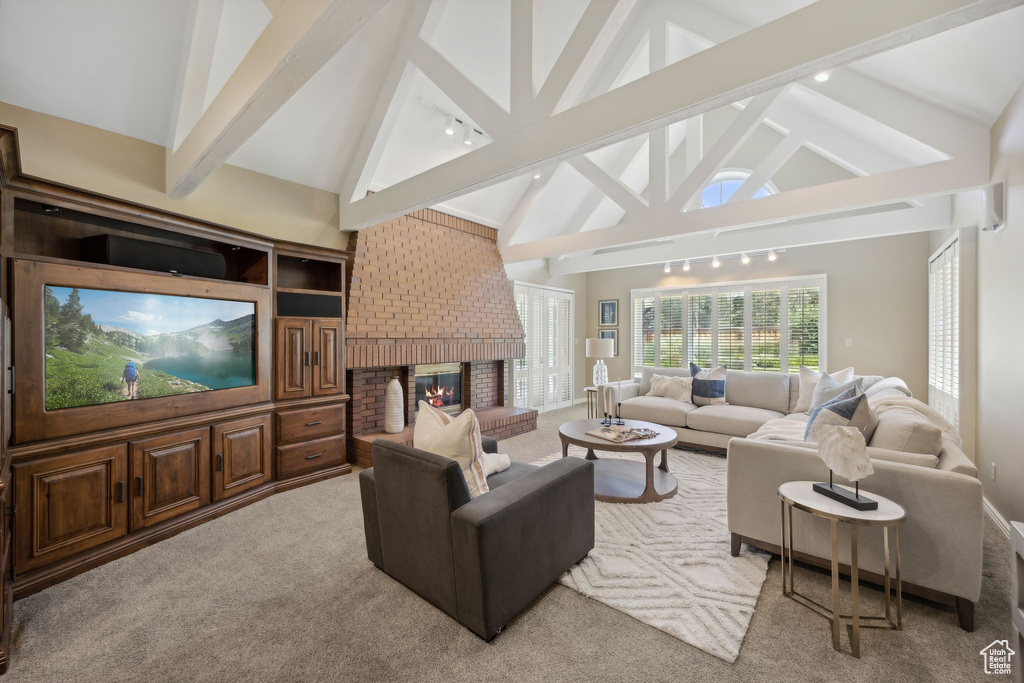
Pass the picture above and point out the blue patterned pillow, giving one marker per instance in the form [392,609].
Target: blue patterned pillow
[708,386]
[845,410]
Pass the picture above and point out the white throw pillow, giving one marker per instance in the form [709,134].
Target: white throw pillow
[809,379]
[676,388]
[458,440]
[428,420]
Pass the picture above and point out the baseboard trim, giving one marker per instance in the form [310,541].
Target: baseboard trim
[1000,521]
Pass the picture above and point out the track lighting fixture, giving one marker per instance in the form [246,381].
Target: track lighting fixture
[449,125]
[467,134]
[771,255]
[668,267]
[744,259]
[536,175]
[686,265]
[715,262]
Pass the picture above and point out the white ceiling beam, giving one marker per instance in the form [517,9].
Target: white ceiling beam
[941,177]
[194,72]
[657,149]
[705,245]
[769,166]
[822,35]
[421,19]
[523,207]
[599,75]
[735,135]
[694,142]
[296,43]
[611,187]
[477,104]
[522,54]
[932,125]
[590,40]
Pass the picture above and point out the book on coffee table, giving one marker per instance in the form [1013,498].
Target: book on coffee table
[621,434]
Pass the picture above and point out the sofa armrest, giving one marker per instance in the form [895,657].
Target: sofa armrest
[371,525]
[610,393]
[490,444]
[941,539]
[513,542]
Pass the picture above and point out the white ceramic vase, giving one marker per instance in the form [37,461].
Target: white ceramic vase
[394,407]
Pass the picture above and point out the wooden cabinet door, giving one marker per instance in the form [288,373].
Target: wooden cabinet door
[292,350]
[241,455]
[170,475]
[68,503]
[328,368]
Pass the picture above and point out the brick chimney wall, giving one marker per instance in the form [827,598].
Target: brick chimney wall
[429,288]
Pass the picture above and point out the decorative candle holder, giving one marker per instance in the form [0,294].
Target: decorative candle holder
[618,414]
[607,421]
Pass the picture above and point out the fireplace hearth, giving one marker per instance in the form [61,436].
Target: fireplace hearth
[440,385]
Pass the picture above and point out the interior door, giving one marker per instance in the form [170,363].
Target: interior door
[543,380]
[328,344]
[69,503]
[170,475]
[241,455]
[292,351]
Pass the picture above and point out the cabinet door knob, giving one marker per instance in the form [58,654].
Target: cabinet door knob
[220,462]
[138,485]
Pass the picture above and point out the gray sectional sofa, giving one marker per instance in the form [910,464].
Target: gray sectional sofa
[915,465]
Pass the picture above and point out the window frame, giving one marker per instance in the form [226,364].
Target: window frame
[714,288]
[732,174]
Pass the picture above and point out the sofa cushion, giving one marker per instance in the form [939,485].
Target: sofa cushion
[919,459]
[513,471]
[648,372]
[905,429]
[828,389]
[708,385]
[676,388]
[798,417]
[729,419]
[657,409]
[768,390]
[843,411]
[809,380]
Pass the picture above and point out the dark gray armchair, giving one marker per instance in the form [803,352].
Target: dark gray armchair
[483,560]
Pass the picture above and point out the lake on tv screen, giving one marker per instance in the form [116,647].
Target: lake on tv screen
[104,346]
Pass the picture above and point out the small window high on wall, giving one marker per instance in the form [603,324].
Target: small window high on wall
[758,325]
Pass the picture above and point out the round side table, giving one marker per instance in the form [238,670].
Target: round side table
[800,495]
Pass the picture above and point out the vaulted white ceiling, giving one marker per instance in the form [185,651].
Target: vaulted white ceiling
[119,65]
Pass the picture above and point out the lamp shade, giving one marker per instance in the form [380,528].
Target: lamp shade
[600,348]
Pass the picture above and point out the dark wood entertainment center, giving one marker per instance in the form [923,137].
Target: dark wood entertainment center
[82,486]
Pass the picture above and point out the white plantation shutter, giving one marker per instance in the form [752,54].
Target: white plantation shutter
[944,333]
[543,380]
[764,326]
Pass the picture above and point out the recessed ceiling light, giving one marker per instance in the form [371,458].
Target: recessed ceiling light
[715,262]
[449,125]
[821,76]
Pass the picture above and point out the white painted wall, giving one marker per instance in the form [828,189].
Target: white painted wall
[1000,439]
[877,296]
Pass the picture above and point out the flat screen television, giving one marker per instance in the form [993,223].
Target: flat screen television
[106,346]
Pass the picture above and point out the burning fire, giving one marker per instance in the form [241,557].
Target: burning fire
[440,396]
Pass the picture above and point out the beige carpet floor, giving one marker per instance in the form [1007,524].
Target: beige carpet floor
[282,591]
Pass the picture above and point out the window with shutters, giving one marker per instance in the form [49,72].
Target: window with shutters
[761,326]
[944,332]
[543,379]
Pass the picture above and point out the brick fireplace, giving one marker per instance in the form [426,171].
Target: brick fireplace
[429,290]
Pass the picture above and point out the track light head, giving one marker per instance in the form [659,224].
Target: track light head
[715,262]
[686,265]
[772,255]
[744,259]
[668,267]
[449,125]
[467,134]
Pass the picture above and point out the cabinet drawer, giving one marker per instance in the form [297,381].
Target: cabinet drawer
[309,456]
[310,423]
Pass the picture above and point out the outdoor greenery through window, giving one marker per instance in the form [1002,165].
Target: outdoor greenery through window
[762,326]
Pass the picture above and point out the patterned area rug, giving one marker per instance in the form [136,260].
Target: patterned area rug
[668,565]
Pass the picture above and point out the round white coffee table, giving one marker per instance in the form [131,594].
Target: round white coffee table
[800,495]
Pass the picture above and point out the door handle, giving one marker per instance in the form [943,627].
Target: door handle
[307,358]
[120,492]
[220,462]
[314,456]
[138,485]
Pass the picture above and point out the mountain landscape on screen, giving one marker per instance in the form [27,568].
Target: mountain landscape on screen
[104,346]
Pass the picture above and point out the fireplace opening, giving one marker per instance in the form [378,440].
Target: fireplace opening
[440,385]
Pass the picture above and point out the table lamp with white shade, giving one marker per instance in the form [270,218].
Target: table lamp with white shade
[600,349]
